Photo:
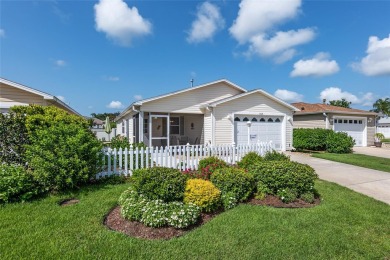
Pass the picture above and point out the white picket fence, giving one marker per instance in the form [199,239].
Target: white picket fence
[124,161]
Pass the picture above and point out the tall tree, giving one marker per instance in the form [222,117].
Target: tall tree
[340,103]
[102,116]
[382,106]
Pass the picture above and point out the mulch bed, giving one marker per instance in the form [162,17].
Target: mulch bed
[116,222]
[68,202]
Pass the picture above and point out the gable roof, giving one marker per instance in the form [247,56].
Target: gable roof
[143,101]
[44,95]
[307,108]
[214,104]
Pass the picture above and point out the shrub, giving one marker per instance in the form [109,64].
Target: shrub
[13,138]
[229,200]
[339,142]
[208,165]
[160,183]
[16,184]
[120,142]
[276,156]
[287,195]
[182,215]
[279,175]
[261,190]
[308,197]
[235,181]
[310,139]
[157,213]
[203,194]
[62,152]
[132,205]
[248,159]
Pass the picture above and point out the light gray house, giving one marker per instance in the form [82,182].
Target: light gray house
[359,124]
[218,112]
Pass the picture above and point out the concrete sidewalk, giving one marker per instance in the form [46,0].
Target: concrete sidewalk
[373,183]
[373,151]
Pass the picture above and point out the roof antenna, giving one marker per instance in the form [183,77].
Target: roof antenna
[192,83]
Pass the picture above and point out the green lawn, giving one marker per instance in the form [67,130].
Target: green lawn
[371,162]
[346,225]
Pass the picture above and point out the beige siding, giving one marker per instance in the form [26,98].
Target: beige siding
[255,103]
[309,121]
[14,96]
[207,127]
[191,101]
[370,130]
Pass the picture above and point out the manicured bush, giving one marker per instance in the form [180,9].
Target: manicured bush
[229,200]
[248,159]
[287,195]
[276,156]
[308,197]
[132,205]
[322,140]
[261,190]
[63,152]
[279,175]
[203,194]
[127,194]
[16,184]
[155,213]
[209,165]
[339,142]
[182,215]
[234,180]
[160,183]
[13,138]
[310,139]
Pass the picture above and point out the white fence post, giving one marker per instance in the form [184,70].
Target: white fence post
[187,156]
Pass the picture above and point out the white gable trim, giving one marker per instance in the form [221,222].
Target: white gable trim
[39,93]
[291,107]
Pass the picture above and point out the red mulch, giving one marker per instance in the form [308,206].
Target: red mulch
[116,222]
[68,202]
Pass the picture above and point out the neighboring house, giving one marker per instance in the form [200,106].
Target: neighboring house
[215,113]
[359,124]
[14,94]
[383,126]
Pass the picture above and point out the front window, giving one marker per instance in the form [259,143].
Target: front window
[175,125]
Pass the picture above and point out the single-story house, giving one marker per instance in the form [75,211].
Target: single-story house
[383,126]
[218,112]
[15,94]
[359,124]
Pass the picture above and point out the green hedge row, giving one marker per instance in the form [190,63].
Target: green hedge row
[319,139]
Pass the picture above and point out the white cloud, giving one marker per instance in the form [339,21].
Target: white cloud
[138,97]
[335,93]
[288,96]
[377,61]
[2,33]
[62,98]
[320,65]
[112,78]
[60,63]
[208,21]
[120,22]
[115,104]
[256,23]
[281,44]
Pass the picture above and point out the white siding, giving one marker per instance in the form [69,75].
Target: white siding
[255,103]
[191,101]
[196,131]
[207,127]
[10,96]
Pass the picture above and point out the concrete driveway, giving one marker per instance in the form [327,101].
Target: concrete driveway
[373,151]
[373,183]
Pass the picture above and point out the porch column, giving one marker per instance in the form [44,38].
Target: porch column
[141,126]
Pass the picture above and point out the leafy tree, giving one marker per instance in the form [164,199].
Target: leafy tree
[382,105]
[102,116]
[340,103]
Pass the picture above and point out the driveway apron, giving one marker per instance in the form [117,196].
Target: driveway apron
[373,183]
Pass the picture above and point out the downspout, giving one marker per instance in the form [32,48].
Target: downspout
[326,120]
[210,108]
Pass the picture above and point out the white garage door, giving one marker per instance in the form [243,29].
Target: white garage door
[253,129]
[354,127]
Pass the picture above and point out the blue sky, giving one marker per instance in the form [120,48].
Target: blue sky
[100,56]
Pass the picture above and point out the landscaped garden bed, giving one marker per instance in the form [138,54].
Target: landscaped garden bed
[162,203]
